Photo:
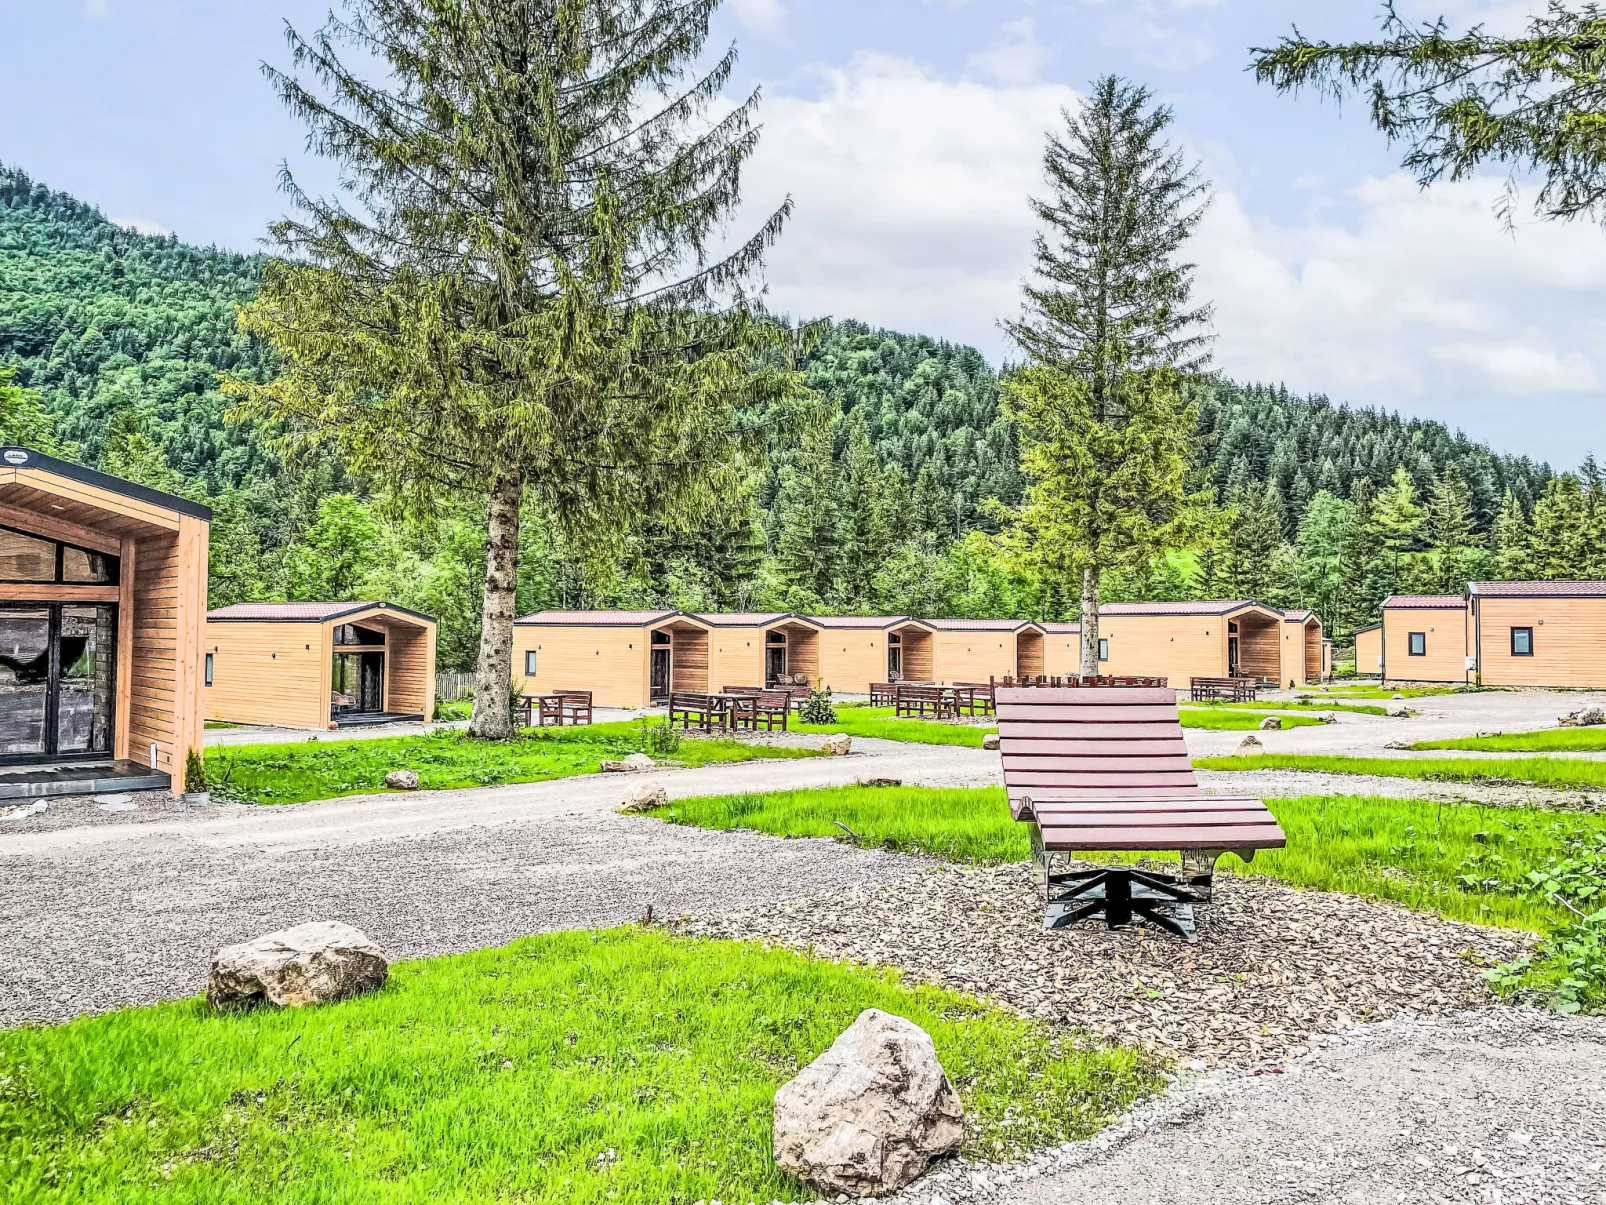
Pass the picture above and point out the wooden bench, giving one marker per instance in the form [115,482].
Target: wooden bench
[920,701]
[1232,690]
[769,709]
[559,706]
[1105,769]
[981,700]
[706,711]
[883,694]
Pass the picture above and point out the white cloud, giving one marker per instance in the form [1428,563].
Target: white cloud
[761,15]
[141,226]
[911,212]
[1016,58]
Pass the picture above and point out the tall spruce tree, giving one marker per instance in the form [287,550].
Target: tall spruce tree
[1362,570]
[1513,542]
[1400,521]
[1320,545]
[1107,325]
[1449,524]
[519,288]
[1559,530]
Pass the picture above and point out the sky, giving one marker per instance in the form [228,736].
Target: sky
[909,135]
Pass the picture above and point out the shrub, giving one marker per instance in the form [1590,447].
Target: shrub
[658,740]
[194,772]
[817,708]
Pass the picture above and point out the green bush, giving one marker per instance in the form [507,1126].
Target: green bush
[817,708]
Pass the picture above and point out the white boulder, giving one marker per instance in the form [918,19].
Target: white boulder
[402,780]
[307,964]
[839,745]
[868,1115]
[1399,713]
[1271,722]
[644,797]
[990,741]
[1250,746]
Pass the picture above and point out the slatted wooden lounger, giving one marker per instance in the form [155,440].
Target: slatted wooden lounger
[1105,769]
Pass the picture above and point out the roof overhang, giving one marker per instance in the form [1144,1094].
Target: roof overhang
[349,615]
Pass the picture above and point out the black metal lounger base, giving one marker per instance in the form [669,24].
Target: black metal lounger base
[1121,894]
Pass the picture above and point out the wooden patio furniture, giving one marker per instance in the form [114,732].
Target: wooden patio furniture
[1232,690]
[768,709]
[883,694]
[1109,680]
[917,702]
[1106,770]
[982,700]
[559,706]
[706,711]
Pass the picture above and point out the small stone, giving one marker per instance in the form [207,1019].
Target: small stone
[640,761]
[990,741]
[126,806]
[307,964]
[1329,717]
[23,811]
[1401,745]
[644,797]
[1250,746]
[103,800]
[878,782]
[1271,722]
[1399,713]
[1399,696]
[839,745]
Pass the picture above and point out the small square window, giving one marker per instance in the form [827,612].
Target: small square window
[1104,649]
[1522,642]
[1419,644]
[529,663]
[209,669]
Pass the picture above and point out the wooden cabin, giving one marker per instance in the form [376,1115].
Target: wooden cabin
[976,650]
[102,600]
[628,659]
[319,664]
[1425,638]
[1183,640]
[856,650]
[1305,659]
[762,649]
[1537,633]
[1062,649]
[1369,650]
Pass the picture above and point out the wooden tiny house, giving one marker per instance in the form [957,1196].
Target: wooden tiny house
[1304,661]
[1538,633]
[626,659]
[319,664]
[977,650]
[856,650]
[1062,649]
[762,649]
[1369,650]
[1425,638]
[102,598]
[1183,640]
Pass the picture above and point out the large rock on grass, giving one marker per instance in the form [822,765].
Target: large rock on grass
[991,741]
[307,964]
[1271,722]
[1250,746]
[839,745]
[402,780]
[644,797]
[868,1115]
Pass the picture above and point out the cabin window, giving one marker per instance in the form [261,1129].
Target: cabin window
[1522,642]
[350,633]
[894,639]
[661,638]
[209,669]
[1419,644]
[774,637]
[529,663]
[1104,649]
[28,558]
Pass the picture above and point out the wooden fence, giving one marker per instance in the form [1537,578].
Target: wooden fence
[452,687]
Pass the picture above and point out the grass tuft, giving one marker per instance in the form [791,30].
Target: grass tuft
[623,1066]
[1558,772]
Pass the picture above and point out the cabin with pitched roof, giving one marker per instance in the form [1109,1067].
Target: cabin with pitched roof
[102,599]
[627,659]
[1182,640]
[1062,649]
[1538,633]
[1425,639]
[1369,650]
[319,664]
[856,650]
[979,650]
[773,648]
[1306,653]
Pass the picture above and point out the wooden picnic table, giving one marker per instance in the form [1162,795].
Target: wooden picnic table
[562,707]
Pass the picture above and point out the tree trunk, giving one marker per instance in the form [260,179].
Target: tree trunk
[1090,621]
[493,678]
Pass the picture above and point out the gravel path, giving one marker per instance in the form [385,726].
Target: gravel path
[1273,965]
[1499,1108]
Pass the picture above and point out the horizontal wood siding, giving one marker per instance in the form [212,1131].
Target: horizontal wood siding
[609,661]
[1260,646]
[410,668]
[689,663]
[268,673]
[1445,630]
[852,658]
[735,658]
[919,660]
[1569,641]
[972,656]
[1173,647]
[1028,654]
[1369,652]
[1062,654]
[1315,663]
[803,652]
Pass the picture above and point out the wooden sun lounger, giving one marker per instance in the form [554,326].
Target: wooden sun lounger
[1105,769]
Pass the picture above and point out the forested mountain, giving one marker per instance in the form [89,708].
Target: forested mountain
[117,340]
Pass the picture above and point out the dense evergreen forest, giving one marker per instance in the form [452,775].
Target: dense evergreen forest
[113,343]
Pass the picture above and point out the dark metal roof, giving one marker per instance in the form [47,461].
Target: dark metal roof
[1424,602]
[751,619]
[1539,589]
[304,612]
[979,625]
[603,619]
[16,457]
[867,622]
[1214,607]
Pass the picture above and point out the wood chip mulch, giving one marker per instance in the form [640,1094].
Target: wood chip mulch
[1272,965]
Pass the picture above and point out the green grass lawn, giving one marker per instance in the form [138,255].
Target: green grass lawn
[881,722]
[1559,740]
[1459,860]
[623,1066]
[323,769]
[1225,718]
[1560,772]
[1419,692]
[1319,703]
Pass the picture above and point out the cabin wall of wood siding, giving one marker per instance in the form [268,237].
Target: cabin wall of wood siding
[1028,654]
[409,667]
[268,673]
[1260,646]
[1315,644]
[735,658]
[1446,631]
[972,656]
[919,656]
[852,658]
[688,663]
[1302,653]
[169,600]
[1569,641]
[1062,654]
[610,662]
[1369,652]
[803,653]
[1174,647]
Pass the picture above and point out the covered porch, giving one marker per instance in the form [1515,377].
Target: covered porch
[1254,644]
[910,654]
[791,654]
[677,658]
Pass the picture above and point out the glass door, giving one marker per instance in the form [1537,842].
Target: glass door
[58,686]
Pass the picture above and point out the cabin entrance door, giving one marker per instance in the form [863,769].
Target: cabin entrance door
[659,675]
[1232,657]
[774,664]
[57,681]
[357,684]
